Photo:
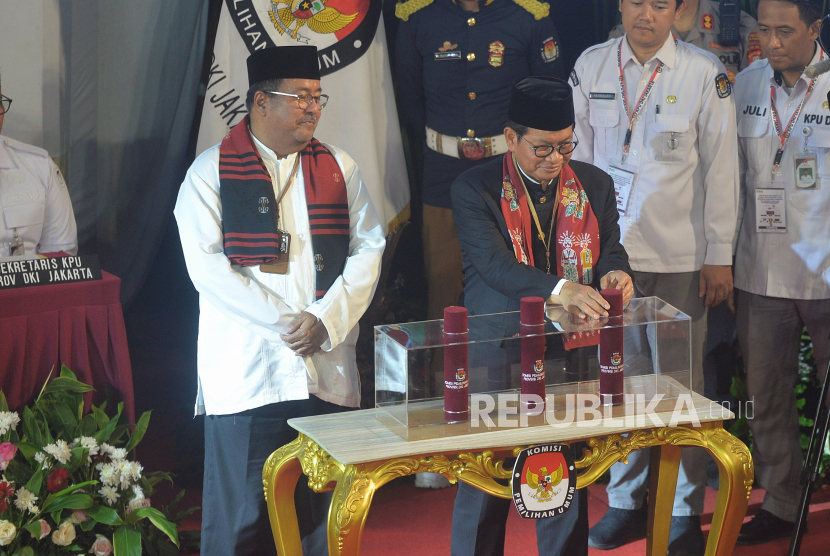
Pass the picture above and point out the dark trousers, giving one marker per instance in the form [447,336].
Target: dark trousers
[479,521]
[234,514]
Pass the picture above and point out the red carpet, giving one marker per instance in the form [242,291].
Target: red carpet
[407,521]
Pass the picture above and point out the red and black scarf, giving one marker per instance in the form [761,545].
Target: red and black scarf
[250,214]
[576,234]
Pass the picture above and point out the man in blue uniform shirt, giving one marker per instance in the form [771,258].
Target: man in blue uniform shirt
[455,63]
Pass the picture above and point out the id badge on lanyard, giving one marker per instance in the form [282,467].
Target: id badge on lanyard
[16,246]
[805,165]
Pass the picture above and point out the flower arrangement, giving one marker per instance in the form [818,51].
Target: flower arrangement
[69,484]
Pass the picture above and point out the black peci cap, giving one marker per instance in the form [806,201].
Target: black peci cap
[283,62]
[544,103]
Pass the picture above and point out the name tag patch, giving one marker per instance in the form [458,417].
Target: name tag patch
[602,96]
[447,55]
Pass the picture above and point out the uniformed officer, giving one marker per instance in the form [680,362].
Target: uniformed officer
[657,114]
[782,268]
[37,211]
[455,64]
[700,25]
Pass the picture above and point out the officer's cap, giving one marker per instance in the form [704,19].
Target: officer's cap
[283,62]
[544,103]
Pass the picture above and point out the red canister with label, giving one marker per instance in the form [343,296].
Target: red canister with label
[456,381]
[533,352]
[611,365]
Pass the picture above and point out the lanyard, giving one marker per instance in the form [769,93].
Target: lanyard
[285,190]
[549,242]
[776,120]
[640,103]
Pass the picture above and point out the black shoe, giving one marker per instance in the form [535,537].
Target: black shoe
[764,527]
[618,527]
[686,538]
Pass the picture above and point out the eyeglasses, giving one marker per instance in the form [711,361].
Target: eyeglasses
[304,101]
[5,104]
[544,151]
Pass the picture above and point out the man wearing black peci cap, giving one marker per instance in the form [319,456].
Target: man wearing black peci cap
[533,223]
[283,244]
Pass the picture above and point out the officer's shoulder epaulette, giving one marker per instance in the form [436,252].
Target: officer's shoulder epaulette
[24,147]
[538,9]
[405,9]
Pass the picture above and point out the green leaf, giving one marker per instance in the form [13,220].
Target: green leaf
[80,455]
[31,431]
[34,529]
[104,434]
[157,518]
[26,550]
[140,429]
[100,417]
[4,405]
[66,372]
[71,501]
[126,541]
[105,515]
[88,426]
[66,384]
[28,449]
[88,525]
[69,490]
[35,482]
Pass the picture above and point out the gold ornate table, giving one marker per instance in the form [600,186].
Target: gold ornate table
[353,454]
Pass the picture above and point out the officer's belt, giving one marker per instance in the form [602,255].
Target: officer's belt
[468,148]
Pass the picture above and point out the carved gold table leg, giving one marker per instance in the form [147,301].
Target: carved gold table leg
[665,463]
[736,475]
[279,478]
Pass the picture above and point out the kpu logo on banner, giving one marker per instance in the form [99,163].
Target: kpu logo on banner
[544,481]
[342,30]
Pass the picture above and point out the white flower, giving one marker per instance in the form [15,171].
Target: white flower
[116,454]
[110,494]
[8,421]
[135,503]
[7,532]
[64,535]
[25,500]
[139,494]
[101,547]
[90,443]
[109,474]
[129,471]
[43,459]
[59,450]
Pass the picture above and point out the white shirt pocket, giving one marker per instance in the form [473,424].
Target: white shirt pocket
[670,139]
[604,122]
[27,220]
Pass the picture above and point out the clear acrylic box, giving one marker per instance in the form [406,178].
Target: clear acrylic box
[409,370]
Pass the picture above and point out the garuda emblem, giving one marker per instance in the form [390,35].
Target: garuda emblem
[314,13]
[544,482]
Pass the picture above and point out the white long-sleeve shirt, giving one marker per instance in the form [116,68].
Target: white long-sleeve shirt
[242,361]
[795,264]
[34,202]
[682,208]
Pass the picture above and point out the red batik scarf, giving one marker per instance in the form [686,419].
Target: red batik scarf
[249,212]
[577,227]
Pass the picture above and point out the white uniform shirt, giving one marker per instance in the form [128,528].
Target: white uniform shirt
[242,362]
[34,201]
[796,264]
[682,207]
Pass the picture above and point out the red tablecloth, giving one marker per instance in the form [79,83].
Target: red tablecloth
[79,325]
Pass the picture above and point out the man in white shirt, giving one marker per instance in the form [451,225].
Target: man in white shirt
[34,202]
[782,268]
[657,115]
[283,244]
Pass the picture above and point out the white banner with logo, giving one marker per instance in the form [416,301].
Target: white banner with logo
[361,116]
